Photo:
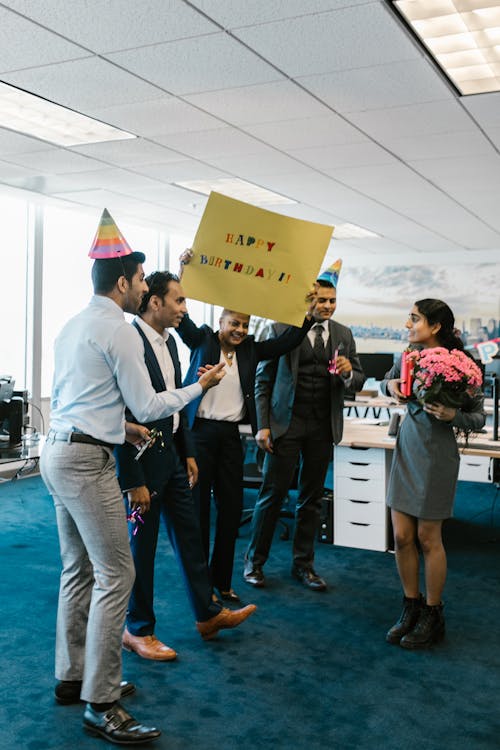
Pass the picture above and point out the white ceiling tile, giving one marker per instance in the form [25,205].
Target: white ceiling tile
[319,131]
[268,161]
[314,189]
[477,173]
[485,108]
[128,153]
[186,169]
[203,63]
[281,100]
[115,202]
[399,188]
[112,179]
[10,172]
[308,213]
[441,145]
[419,119]
[176,197]
[157,117]
[494,134]
[54,161]
[16,143]
[81,84]
[210,143]
[379,86]
[353,37]
[24,44]
[234,13]
[115,24]
[482,201]
[326,158]
[45,183]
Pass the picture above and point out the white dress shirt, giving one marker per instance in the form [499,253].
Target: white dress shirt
[99,367]
[158,343]
[224,403]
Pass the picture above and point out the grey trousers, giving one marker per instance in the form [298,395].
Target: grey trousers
[98,570]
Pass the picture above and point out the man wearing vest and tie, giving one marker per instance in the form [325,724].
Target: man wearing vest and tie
[300,400]
[158,486]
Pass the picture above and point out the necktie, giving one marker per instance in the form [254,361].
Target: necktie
[319,346]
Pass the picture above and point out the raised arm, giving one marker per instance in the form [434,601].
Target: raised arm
[284,343]
[191,334]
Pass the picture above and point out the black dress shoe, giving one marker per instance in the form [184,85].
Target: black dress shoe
[229,596]
[309,578]
[116,725]
[68,692]
[254,576]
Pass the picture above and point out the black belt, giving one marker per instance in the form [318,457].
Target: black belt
[78,437]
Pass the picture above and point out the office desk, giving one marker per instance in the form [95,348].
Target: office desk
[27,453]
[361,469]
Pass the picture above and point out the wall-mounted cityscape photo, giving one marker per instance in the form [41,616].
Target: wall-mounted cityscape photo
[375,302]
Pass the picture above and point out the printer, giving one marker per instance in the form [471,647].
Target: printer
[11,412]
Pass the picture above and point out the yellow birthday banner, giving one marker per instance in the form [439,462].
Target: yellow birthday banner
[255,261]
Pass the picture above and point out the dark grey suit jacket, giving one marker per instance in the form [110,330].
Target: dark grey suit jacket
[276,380]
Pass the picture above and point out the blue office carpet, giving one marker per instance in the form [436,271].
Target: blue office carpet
[307,671]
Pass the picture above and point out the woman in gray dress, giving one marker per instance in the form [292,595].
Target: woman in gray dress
[423,480]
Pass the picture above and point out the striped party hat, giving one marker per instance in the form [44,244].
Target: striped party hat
[108,242]
[331,274]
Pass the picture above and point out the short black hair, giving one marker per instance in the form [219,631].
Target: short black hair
[328,284]
[157,285]
[106,271]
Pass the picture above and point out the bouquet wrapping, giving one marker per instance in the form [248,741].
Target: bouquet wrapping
[444,376]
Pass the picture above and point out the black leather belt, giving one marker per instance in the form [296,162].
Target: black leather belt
[78,437]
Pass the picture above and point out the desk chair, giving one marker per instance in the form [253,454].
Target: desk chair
[252,479]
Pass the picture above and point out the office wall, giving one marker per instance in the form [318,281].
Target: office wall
[375,301]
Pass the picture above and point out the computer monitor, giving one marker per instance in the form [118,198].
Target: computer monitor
[376,365]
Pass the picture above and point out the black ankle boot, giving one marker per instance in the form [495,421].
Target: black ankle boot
[407,620]
[428,630]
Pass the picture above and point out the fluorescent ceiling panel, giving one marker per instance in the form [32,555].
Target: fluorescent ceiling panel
[29,114]
[351,232]
[463,36]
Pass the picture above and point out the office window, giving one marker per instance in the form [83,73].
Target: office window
[199,312]
[67,286]
[13,305]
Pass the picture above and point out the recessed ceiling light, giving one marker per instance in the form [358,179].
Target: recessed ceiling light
[351,232]
[32,115]
[236,188]
[463,37]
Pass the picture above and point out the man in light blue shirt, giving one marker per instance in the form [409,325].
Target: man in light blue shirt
[99,368]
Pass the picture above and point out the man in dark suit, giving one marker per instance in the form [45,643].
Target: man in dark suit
[299,400]
[215,423]
[159,485]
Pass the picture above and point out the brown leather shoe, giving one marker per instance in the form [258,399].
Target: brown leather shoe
[227,618]
[147,646]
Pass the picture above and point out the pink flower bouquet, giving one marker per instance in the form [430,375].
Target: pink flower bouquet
[444,376]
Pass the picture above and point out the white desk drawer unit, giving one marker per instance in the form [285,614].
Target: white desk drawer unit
[475,469]
[360,513]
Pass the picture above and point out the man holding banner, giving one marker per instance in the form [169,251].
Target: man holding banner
[214,423]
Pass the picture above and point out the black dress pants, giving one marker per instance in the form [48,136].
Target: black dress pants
[310,441]
[219,455]
[174,504]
